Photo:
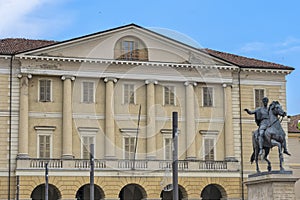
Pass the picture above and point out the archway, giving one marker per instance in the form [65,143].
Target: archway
[213,192]
[84,193]
[132,192]
[168,194]
[39,193]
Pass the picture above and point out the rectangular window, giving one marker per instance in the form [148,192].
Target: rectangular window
[259,95]
[129,145]
[85,145]
[88,92]
[129,50]
[169,95]
[207,96]
[168,148]
[44,146]
[129,94]
[45,90]
[209,149]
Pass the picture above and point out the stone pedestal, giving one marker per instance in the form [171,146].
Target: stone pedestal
[273,185]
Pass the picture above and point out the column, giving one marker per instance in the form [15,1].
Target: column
[229,145]
[23,117]
[190,120]
[110,151]
[67,118]
[151,133]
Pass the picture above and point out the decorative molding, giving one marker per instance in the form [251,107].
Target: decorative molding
[88,129]
[68,77]
[106,79]
[193,83]
[168,131]
[44,128]
[209,132]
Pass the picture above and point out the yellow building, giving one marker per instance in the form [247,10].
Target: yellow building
[294,144]
[60,97]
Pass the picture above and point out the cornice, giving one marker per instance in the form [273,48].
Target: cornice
[127,62]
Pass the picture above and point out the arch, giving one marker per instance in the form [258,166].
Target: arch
[38,193]
[83,193]
[213,192]
[130,48]
[168,194]
[132,192]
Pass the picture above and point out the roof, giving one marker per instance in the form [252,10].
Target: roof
[244,61]
[18,45]
[293,124]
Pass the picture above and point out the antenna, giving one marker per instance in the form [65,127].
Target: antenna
[136,137]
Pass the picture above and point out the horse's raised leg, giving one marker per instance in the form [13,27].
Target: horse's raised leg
[267,151]
[280,154]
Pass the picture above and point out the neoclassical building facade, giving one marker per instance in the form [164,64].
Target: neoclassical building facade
[117,89]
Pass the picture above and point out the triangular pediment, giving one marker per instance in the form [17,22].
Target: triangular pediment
[111,44]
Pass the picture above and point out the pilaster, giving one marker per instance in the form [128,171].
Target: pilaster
[190,120]
[23,117]
[110,151]
[67,117]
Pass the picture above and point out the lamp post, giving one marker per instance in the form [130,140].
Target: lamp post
[175,155]
[46,181]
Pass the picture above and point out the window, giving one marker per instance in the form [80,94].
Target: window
[44,146]
[207,96]
[209,151]
[44,141]
[129,97]
[169,95]
[209,144]
[131,48]
[129,147]
[88,137]
[259,95]
[88,92]
[168,148]
[85,146]
[45,90]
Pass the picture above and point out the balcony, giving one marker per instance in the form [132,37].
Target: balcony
[127,165]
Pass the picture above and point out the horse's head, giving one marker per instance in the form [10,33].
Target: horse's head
[276,108]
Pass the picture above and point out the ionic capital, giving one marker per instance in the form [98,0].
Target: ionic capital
[68,77]
[29,76]
[155,82]
[110,79]
[193,83]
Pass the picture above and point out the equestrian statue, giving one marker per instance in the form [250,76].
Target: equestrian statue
[269,132]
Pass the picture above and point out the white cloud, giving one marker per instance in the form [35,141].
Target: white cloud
[253,46]
[21,18]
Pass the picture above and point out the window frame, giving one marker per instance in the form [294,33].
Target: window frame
[209,135]
[124,101]
[124,146]
[204,99]
[259,101]
[88,101]
[87,132]
[44,131]
[170,88]
[83,146]
[39,90]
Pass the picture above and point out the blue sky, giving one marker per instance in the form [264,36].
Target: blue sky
[267,30]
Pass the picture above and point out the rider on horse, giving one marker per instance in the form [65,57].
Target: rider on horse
[262,120]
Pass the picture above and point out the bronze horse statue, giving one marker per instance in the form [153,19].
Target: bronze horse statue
[274,136]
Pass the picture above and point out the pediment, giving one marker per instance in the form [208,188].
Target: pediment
[111,44]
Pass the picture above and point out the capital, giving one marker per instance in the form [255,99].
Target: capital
[193,83]
[68,77]
[155,82]
[110,79]
[29,76]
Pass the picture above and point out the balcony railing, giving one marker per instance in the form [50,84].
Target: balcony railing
[115,165]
